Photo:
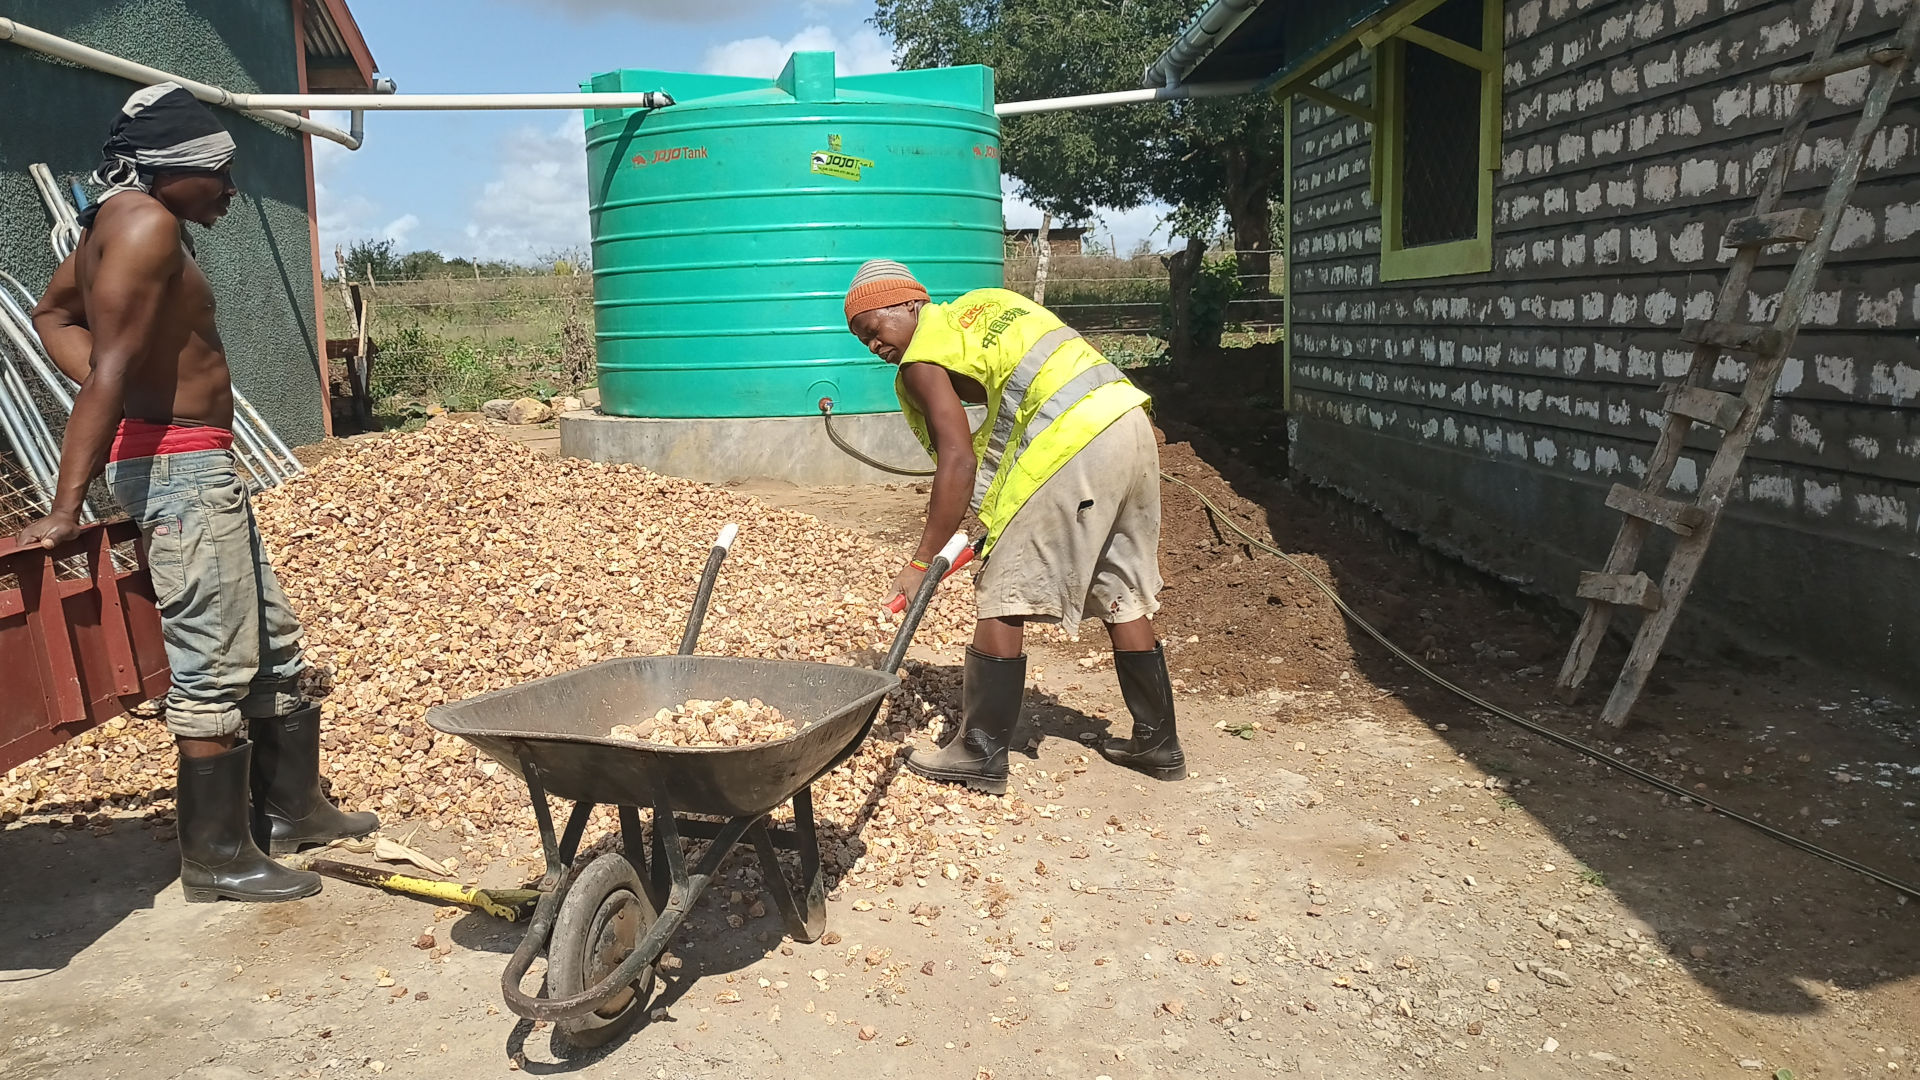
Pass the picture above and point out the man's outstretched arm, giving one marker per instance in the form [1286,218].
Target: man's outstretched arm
[138,263]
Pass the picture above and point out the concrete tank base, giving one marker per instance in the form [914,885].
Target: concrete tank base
[790,448]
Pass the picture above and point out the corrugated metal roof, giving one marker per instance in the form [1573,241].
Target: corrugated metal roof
[1232,40]
[334,41]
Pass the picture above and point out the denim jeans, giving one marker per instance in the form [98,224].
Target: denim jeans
[232,642]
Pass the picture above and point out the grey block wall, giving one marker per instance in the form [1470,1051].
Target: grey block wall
[259,257]
[1490,412]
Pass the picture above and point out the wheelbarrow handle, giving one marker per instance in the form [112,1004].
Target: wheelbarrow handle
[916,610]
[698,615]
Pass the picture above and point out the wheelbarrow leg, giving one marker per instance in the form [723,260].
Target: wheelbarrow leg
[803,924]
[667,872]
[634,839]
[559,853]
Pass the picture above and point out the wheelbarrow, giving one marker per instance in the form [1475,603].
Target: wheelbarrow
[603,928]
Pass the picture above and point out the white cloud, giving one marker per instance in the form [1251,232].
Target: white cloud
[861,53]
[398,229]
[538,201]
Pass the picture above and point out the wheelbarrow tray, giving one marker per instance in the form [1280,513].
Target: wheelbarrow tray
[560,725]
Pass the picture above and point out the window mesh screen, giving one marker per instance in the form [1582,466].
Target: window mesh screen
[1440,134]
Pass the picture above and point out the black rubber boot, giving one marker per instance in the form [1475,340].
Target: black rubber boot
[291,811]
[990,707]
[218,858]
[1148,691]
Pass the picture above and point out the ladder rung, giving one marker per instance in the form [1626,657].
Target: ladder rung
[1707,406]
[1740,337]
[1815,70]
[1779,227]
[1629,590]
[1679,518]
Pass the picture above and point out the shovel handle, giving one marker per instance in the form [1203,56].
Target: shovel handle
[918,608]
[899,603]
[698,615]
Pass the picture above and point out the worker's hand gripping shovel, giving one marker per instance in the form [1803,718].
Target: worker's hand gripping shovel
[958,553]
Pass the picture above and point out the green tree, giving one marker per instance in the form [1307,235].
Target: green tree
[375,257]
[424,264]
[1203,157]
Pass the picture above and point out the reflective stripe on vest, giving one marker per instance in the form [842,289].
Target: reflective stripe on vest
[1011,396]
[1066,398]
[1014,395]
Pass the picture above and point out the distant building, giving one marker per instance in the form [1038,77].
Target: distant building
[263,258]
[1499,214]
[1063,240]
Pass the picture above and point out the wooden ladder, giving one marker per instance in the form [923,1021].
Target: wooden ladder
[1765,348]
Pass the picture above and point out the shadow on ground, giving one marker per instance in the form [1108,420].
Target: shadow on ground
[709,949]
[63,888]
[1766,927]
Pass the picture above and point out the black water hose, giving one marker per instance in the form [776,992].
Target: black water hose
[826,416]
[1601,756]
[1548,733]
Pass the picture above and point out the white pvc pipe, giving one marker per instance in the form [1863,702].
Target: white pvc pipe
[1125,97]
[452,102]
[72,51]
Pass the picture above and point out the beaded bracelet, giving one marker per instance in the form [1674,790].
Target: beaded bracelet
[920,564]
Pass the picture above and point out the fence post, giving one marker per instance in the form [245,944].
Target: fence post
[1042,255]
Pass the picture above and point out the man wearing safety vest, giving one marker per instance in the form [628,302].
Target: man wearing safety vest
[1065,476]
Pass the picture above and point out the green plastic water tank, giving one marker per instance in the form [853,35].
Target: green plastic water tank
[727,227]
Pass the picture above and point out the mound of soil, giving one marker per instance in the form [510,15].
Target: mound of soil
[1261,623]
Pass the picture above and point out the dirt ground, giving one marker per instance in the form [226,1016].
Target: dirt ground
[1364,876]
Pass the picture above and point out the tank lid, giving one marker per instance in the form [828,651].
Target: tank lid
[809,77]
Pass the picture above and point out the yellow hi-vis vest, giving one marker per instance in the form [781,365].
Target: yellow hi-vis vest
[1049,393]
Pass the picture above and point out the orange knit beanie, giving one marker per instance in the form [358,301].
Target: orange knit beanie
[880,284]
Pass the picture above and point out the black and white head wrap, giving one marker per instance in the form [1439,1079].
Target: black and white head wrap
[160,128]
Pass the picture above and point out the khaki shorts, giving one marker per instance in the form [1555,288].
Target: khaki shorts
[1087,544]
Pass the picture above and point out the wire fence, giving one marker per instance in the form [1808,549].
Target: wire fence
[457,340]
[1093,293]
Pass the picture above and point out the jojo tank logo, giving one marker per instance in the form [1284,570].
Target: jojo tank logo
[669,153]
[832,162]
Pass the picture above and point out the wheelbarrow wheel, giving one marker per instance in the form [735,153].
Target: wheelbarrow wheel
[602,918]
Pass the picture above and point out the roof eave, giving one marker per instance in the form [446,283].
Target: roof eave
[1213,25]
[357,73]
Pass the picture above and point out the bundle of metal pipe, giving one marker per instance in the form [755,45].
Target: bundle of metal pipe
[21,417]
[66,223]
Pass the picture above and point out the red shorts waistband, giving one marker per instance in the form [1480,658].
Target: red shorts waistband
[144,438]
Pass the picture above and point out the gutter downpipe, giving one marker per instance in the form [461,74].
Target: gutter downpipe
[275,108]
[73,52]
[1126,97]
[650,99]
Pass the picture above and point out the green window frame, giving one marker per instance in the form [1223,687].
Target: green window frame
[1398,261]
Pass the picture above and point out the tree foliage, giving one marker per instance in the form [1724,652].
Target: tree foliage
[1202,157]
[384,261]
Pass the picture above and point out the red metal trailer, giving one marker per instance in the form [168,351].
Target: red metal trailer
[75,650]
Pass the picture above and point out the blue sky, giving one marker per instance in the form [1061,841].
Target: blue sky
[512,185]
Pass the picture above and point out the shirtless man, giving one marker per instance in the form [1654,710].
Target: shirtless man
[130,317]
